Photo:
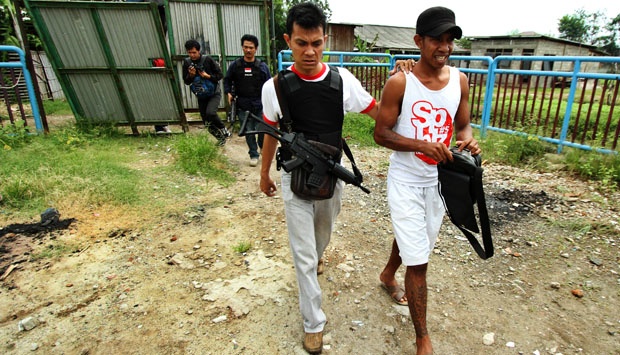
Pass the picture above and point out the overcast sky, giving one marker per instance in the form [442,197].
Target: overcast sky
[475,17]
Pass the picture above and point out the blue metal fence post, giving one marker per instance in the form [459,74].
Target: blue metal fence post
[488,99]
[569,104]
[28,79]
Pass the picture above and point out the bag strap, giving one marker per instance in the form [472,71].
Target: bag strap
[484,216]
[286,120]
[347,152]
[200,62]
[487,241]
[203,59]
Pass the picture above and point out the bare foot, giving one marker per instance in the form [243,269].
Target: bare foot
[423,345]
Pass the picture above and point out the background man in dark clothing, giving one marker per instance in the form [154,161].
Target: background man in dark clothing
[244,79]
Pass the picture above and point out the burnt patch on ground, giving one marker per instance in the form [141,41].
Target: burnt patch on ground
[35,230]
[507,205]
[16,239]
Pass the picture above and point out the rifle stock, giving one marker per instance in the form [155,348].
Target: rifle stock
[304,151]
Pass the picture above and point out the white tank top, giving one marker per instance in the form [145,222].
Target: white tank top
[425,115]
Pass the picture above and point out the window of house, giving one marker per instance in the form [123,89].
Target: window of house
[547,65]
[494,52]
[526,64]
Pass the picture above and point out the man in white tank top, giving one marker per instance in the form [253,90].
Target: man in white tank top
[418,115]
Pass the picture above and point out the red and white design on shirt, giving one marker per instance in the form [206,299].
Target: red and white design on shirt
[248,70]
[431,124]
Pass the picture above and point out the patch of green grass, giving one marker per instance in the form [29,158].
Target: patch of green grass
[14,135]
[242,247]
[579,226]
[101,166]
[519,150]
[515,150]
[55,250]
[44,172]
[57,107]
[359,129]
[198,154]
[592,165]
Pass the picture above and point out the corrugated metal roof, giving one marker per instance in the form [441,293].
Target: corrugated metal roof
[131,48]
[98,96]
[390,37]
[153,93]
[393,38]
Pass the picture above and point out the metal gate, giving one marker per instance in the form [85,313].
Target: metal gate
[102,53]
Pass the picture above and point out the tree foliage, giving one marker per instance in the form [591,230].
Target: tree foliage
[8,27]
[464,42]
[611,41]
[362,46]
[591,28]
[7,30]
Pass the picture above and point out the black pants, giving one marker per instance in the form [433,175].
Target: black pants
[208,114]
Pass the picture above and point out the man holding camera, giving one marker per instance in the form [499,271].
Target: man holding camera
[207,68]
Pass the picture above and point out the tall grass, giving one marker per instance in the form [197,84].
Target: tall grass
[198,155]
[46,171]
[100,166]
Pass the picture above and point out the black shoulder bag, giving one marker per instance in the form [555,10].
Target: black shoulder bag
[460,183]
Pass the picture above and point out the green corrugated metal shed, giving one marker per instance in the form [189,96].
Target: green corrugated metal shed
[102,53]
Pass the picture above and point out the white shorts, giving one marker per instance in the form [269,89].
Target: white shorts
[417,214]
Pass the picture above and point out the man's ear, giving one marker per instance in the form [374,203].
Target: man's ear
[417,39]
[287,39]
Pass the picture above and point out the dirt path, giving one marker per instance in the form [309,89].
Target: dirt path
[177,286]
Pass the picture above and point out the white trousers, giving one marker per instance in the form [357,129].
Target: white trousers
[310,225]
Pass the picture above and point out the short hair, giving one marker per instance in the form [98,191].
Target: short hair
[307,15]
[250,38]
[192,43]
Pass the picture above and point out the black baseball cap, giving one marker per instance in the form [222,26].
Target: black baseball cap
[437,20]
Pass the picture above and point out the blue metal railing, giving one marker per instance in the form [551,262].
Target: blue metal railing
[27,78]
[490,69]
[573,76]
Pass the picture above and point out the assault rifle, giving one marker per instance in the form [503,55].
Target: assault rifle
[306,151]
